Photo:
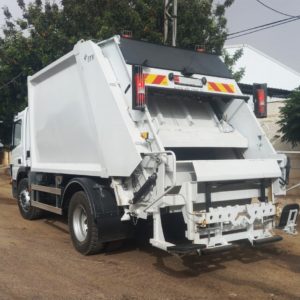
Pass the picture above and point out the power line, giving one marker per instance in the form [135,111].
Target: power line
[273,9]
[244,32]
[11,81]
[265,25]
[261,29]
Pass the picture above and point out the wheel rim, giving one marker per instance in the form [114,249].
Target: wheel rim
[24,199]
[80,224]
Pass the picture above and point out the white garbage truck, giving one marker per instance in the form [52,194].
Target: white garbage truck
[122,131]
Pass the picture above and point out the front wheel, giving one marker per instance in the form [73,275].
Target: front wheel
[27,211]
[83,229]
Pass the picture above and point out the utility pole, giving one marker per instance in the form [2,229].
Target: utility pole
[170,17]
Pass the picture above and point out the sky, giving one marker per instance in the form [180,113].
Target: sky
[281,43]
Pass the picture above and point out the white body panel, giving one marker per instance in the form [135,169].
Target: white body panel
[86,119]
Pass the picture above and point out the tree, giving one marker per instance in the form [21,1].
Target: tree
[230,61]
[48,30]
[27,46]
[290,119]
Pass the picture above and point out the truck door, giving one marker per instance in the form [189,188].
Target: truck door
[17,153]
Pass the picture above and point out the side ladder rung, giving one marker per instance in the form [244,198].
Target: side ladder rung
[218,249]
[185,248]
[47,207]
[46,189]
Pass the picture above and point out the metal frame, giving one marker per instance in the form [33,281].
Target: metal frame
[170,16]
[291,225]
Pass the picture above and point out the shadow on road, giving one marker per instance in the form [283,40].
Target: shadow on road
[190,265]
[194,265]
[197,265]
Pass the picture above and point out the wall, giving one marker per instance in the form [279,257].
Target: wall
[4,162]
[271,129]
[4,158]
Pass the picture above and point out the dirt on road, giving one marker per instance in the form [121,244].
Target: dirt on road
[38,261]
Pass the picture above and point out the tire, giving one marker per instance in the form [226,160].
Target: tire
[27,211]
[83,229]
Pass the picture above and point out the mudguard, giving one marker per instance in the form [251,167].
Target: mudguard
[22,173]
[105,211]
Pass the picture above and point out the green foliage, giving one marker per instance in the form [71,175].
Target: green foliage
[28,45]
[230,61]
[47,31]
[202,25]
[290,119]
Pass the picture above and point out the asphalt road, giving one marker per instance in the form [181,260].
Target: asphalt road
[38,262]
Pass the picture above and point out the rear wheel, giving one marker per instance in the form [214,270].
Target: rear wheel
[83,229]
[27,211]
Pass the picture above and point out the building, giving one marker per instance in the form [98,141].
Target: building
[262,68]
[280,80]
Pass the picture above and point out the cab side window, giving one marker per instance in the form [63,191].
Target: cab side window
[17,133]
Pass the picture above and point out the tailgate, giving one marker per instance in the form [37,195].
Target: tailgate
[235,169]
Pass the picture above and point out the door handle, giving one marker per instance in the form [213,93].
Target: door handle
[19,161]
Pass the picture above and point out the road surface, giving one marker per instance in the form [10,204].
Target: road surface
[38,262]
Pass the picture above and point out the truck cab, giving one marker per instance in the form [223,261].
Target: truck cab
[20,153]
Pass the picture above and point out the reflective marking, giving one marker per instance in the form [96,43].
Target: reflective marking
[221,87]
[155,79]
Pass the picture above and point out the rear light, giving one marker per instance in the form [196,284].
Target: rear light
[138,91]
[260,100]
[176,79]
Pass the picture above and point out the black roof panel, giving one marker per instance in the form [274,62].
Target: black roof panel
[171,58]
